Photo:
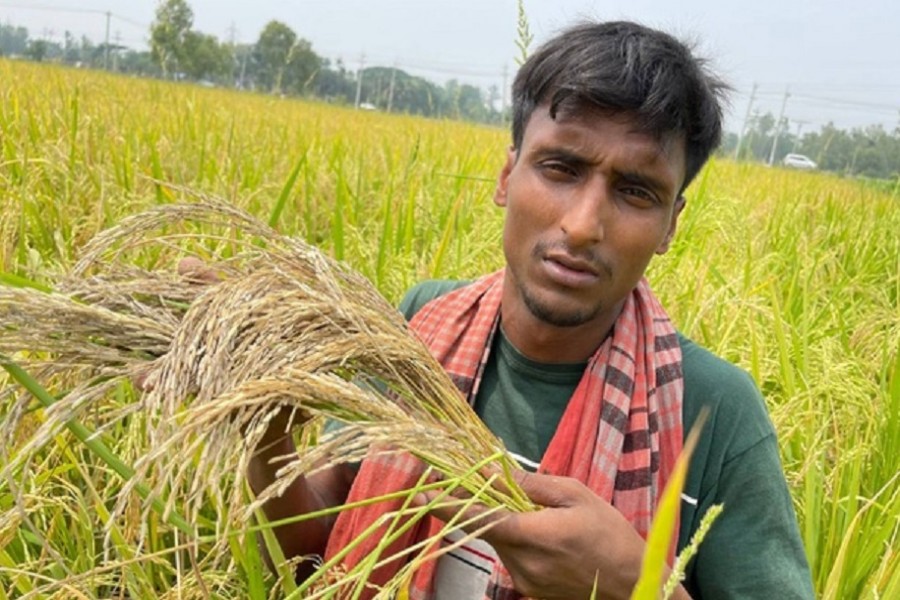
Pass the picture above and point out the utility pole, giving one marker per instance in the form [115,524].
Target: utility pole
[391,87]
[800,125]
[106,44]
[359,74]
[232,44]
[787,95]
[118,39]
[743,131]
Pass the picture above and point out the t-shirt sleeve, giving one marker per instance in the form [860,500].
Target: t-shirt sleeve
[753,550]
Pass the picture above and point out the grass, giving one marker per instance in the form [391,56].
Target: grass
[794,276]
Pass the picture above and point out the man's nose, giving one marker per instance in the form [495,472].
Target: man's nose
[585,218]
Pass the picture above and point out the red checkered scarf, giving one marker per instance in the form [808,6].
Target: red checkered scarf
[619,435]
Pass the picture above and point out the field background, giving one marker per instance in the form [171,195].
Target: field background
[793,276]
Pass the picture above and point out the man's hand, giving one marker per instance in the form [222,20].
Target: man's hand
[558,551]
[195,270]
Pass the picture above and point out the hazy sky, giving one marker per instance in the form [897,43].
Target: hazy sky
[840,58]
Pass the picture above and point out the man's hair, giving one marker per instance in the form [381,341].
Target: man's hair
[624,67]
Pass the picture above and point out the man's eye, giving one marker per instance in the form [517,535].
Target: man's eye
[560,169]
[639,195]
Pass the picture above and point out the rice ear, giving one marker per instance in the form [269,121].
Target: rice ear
[286,327]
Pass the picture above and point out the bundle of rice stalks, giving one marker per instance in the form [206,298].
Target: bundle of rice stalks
[282,328]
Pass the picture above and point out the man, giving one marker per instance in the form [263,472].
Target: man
[569,358]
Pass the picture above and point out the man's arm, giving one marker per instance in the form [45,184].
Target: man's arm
[324,489]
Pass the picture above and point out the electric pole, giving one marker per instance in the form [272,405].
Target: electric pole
[800,125]
[232,43]
[391,87]
[118,39]
[359,74]
[743,131]
[106,44]
[787,95]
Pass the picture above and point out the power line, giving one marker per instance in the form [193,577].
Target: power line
[47,8]
[61,9]
[854,103]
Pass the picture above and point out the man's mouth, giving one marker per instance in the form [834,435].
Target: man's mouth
[569,271]
[572,263]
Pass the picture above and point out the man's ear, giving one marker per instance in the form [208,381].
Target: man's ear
[680,203]
[503,178]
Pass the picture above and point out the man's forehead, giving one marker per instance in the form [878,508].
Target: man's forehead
[586,114]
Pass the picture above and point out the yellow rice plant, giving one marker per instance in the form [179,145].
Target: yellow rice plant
[285,329]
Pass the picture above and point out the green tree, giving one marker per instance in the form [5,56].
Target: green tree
[272,54]
[334,83]
[204,57]
[303,66]
[168,33]
[13,40]
[37,50]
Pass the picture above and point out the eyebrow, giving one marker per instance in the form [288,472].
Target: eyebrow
[574,158]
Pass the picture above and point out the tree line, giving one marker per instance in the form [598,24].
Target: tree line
[281,62]
[871,151]
[278,62]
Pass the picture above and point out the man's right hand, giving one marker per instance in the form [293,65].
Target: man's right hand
[195,270]
[324,489]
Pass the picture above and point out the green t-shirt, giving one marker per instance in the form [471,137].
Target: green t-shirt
[754,549]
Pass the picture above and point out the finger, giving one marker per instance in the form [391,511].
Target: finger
[141,381]
[549,490]
[196,270]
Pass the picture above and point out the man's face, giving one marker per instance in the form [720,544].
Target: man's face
[589,201]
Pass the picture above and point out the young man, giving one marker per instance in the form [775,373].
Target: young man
[569,358]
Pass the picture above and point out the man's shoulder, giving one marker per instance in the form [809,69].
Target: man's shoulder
[736,406]
[422,293]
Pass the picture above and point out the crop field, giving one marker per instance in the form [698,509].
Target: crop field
[793,276]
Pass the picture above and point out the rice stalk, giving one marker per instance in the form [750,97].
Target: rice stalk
[285,328]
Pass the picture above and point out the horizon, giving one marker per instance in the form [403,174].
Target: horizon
[852,84]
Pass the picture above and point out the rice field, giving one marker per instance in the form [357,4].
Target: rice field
[793,276]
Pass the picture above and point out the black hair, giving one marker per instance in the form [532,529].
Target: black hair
[629,68]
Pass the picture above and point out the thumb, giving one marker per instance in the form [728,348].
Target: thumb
[194,269]
[549,491]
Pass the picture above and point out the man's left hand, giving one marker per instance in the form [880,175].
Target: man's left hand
[557,552]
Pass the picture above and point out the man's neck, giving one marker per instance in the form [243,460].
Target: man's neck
[546,343]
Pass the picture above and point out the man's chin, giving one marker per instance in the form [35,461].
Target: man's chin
[558,316]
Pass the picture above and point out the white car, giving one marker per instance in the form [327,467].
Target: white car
[798,161]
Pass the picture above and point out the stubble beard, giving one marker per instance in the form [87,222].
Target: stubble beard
[548,314]
[556,317]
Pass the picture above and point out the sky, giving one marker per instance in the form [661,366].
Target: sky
[838,60]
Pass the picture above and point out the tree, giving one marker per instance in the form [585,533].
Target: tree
[13,40]
[471,104]
[204,57]
[303,66]
[70,48]
[37,50]
[168,32]
[334,84]
[272,53]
